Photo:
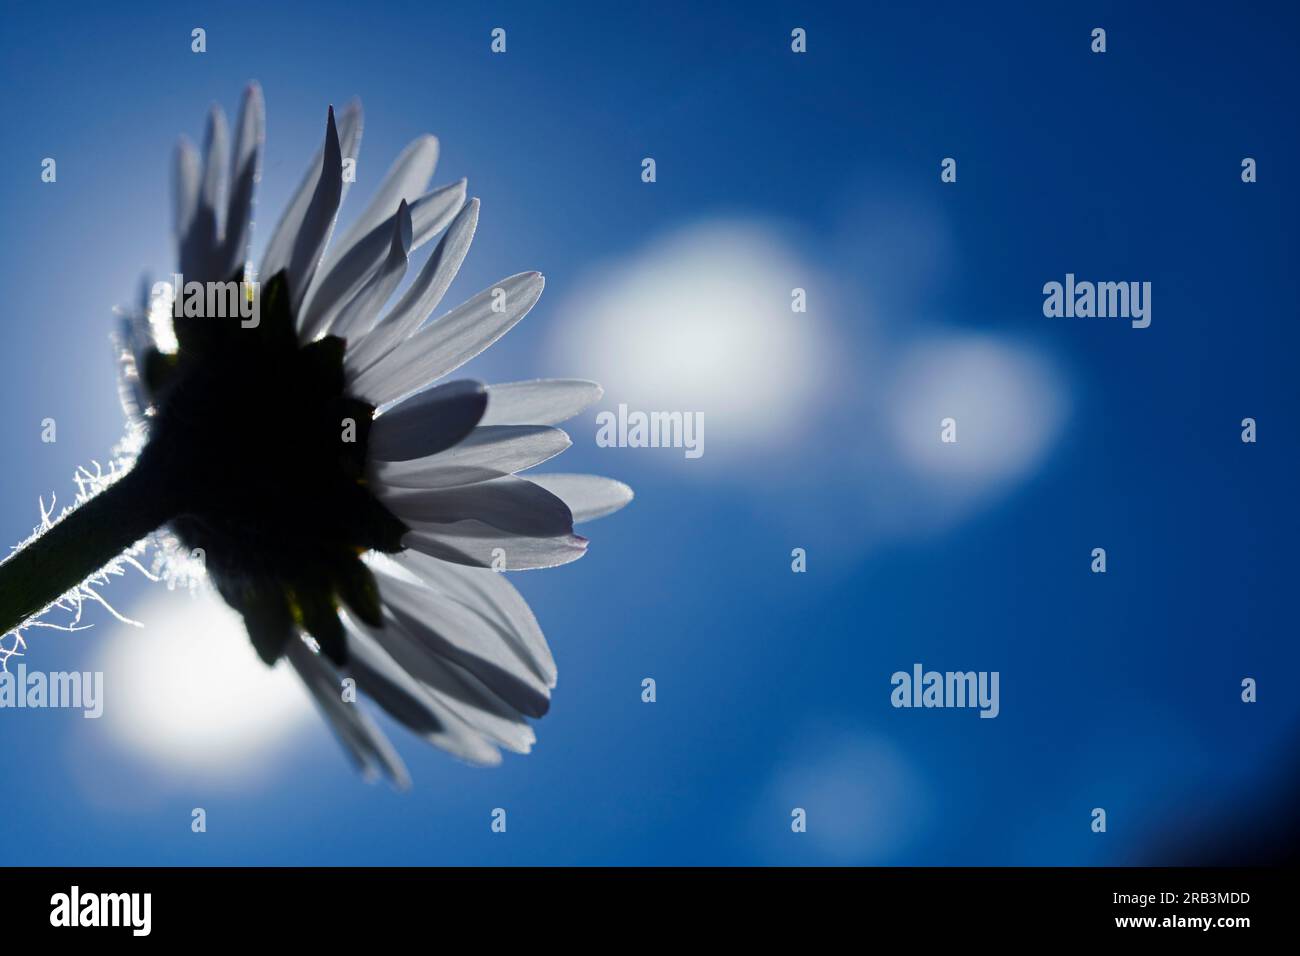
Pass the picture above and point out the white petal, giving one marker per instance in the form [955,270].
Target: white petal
[141,337]
[319,219]
[452,687]
[185,187]
[544,401]
[364,308]
[212,189]
[487,453]
[422,297]
[356,264]
[452,631]
[280,248]
[131,391]
[451,341]
[245,168]
[479,545]
[198,244]
[510,504]
[588,496]
[489,594]
[427,423]
[410,702]
[364,741]
[351,124]
[406,180]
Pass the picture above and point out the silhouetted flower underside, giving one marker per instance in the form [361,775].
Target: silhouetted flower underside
[355,516]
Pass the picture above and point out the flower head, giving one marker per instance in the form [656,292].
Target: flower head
[330,491]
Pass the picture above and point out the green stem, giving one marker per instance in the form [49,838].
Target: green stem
[81,543]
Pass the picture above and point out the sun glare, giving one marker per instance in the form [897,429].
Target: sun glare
[186,690]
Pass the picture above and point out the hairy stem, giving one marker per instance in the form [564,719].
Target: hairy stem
[81,543]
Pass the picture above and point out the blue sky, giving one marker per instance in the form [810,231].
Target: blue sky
[774,170]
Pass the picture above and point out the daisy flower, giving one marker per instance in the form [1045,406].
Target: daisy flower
[355,513]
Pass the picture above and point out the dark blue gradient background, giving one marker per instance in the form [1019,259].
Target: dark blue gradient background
[1119,691]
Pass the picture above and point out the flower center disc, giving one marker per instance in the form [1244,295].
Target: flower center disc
[264,454]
